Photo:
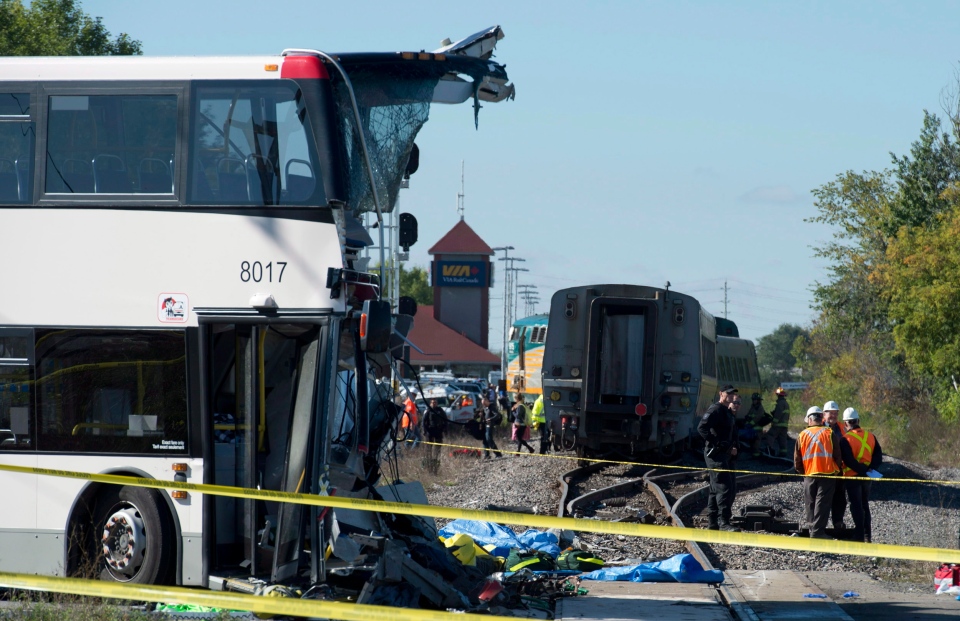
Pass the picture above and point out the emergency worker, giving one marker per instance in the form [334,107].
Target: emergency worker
[718,428]
[777,438]
[539,420]
[831,413]
[410,421]
[868,456]
[757,419]
[817,453]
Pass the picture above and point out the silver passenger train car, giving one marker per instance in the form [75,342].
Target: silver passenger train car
[629,370]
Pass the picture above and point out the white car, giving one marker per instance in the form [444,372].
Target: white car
[463,406]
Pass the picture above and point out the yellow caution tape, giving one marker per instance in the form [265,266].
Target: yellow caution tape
[690,468]
[221,599]
[940,555]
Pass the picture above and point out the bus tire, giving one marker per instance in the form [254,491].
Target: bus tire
[134,536]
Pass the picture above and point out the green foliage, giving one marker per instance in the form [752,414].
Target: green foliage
[886,339]
[923,269]
[774,352]
[414,283]
[57,28]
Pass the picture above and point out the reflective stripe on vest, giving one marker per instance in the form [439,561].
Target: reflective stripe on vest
[864,455]
[522,564]
[817,459]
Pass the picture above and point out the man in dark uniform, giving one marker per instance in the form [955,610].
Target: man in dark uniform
[718,428]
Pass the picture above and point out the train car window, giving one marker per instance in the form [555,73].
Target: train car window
[543,334]
[708,349]
[725,368]
[742,372]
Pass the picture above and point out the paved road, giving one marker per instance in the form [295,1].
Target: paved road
[876,603]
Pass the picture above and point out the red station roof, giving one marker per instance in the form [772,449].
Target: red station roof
[444,345]
[461,239]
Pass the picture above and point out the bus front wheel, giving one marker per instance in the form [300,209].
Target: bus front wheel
[134,536]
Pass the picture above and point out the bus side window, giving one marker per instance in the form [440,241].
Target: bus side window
[111,391]
[251,147]
[96,144]
[16,148]
[16,383]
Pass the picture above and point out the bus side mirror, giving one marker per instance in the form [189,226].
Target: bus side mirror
[375,326]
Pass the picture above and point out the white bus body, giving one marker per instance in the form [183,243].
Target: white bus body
[179,301]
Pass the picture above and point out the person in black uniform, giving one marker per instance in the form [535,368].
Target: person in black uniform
[718,428]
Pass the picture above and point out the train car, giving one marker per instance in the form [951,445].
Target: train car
[737,365]
[629,370]
[525,355]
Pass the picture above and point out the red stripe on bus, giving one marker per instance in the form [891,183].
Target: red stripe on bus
[303,67]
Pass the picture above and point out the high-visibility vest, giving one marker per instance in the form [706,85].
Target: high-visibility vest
[537,412]
[816,450]
[409,413]
[862,443]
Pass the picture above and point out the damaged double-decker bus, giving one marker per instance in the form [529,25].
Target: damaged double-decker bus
[182,302]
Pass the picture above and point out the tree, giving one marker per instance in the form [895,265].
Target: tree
[924,271]
[775,352]
[414,283]
[57,28]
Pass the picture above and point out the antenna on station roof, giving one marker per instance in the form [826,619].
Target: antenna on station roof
[461,195]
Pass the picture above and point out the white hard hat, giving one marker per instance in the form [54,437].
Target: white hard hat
[813,411]
[850,414]
[831,405]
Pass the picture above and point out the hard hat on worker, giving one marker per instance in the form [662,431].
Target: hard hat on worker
[850,414]
[780,392]
[813,412]
[832,406]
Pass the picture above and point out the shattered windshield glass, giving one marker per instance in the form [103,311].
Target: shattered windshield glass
[393,108]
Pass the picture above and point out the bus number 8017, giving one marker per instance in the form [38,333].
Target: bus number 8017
[258,272]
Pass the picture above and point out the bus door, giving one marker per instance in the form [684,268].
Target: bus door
[260,393]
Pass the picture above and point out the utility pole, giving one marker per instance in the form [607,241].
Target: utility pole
[528,293]
[513,281]
[506,287]
[725,299]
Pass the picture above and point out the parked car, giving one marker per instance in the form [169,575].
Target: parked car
[467,387]
[463,406]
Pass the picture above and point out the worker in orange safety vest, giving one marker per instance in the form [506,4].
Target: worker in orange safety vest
[868,455]
[410,421]
[817,458]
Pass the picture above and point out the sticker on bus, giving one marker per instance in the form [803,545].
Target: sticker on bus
[173,308]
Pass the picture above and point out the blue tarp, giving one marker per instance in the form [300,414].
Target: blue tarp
[504,539]
[679,568]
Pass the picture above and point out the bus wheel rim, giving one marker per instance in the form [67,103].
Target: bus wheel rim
[124,541]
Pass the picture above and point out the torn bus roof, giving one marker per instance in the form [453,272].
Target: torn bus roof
[469,56]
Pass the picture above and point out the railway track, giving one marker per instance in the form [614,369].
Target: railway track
[685,487]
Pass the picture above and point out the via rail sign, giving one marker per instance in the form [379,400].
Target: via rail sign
[794,385]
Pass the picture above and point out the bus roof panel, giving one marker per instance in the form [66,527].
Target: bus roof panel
[76,68]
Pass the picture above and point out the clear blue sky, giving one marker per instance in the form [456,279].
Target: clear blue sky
[649,141]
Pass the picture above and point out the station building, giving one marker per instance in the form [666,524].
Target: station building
[453,332]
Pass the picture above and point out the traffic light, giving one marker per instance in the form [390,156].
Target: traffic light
[408,231]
